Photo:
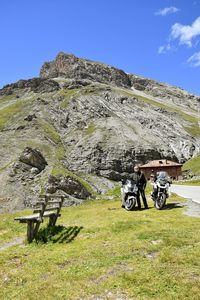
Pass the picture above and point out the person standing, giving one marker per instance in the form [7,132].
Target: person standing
[141,182]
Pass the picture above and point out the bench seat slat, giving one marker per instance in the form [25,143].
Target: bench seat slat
[52,208]
[54,201]
[28,218]
[52,196]
[46,209]
[50,213]
[39,205]
[36,217]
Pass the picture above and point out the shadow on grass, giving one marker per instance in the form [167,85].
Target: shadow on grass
[173,205]
[58,234]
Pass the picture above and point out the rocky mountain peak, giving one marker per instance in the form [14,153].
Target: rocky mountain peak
[69,66]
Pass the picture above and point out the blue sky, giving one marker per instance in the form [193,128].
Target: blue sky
[158,39]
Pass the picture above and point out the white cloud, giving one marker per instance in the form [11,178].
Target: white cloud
[167,10]
[194,60]
[164,49]
[161,50]
[185,33]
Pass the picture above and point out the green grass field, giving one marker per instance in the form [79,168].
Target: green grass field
[193,164]
[100,251]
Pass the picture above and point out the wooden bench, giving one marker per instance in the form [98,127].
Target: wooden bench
[48,206]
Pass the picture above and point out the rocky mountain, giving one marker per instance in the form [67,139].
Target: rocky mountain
[91,123]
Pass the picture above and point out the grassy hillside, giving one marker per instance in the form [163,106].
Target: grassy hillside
[193,164]
[100,251]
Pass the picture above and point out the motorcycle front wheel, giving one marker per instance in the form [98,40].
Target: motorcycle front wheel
[130,204]
[160,201]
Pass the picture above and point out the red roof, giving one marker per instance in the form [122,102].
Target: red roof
[160,163]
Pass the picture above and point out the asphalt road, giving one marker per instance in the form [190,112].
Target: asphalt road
[188,192]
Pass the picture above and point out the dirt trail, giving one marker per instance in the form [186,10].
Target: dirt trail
[15,242]
[193,209]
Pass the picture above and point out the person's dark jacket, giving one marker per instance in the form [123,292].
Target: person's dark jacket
[139,179]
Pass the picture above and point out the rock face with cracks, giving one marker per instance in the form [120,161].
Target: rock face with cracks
[67,184]
[34,158]
[91,122]
[70,66]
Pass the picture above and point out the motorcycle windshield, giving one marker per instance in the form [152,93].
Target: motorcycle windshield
[162,176]
[130,182]
[131,186]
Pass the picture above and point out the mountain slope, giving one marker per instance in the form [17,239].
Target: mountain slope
[90,118]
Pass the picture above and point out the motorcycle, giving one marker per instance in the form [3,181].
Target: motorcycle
[161,192]
[129,194]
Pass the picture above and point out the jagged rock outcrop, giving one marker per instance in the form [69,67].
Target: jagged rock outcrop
[70,66]
[34,158]
[36,85]
[30,163]
[68,185]
[165,92]
[90,119]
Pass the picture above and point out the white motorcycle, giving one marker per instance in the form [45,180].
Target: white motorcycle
[129,194]
[161,191]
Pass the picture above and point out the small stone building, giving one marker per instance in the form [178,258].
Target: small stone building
[172,168]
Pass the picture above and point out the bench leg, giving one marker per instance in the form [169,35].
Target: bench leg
[52,220]
[30,231]
[37,226]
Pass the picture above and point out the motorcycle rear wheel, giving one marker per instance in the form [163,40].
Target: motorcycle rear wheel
[160,201]
[130,204]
